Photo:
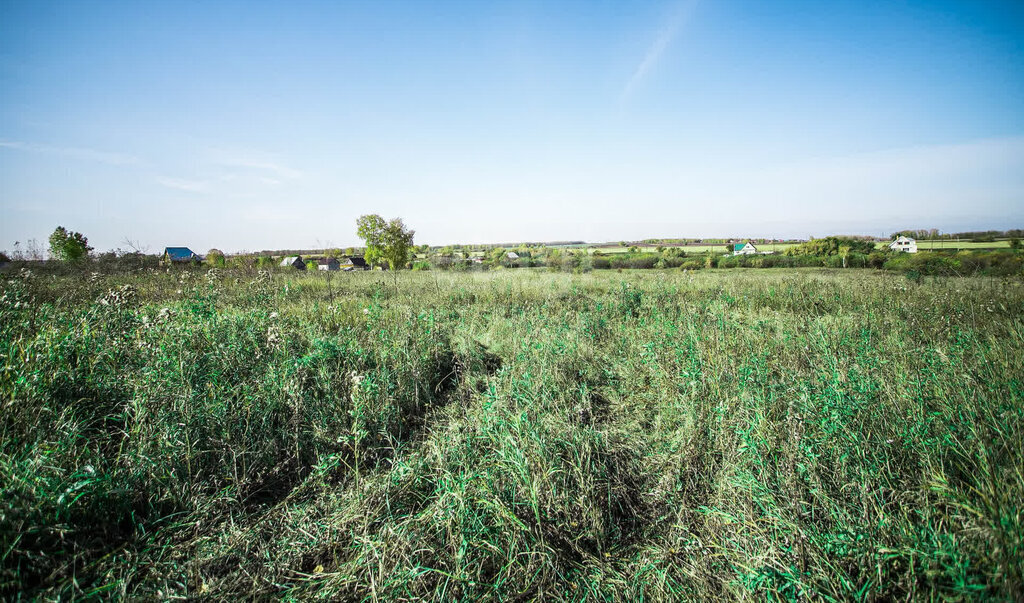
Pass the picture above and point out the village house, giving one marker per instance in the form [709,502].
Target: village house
[293,261]
[904,244]
[328,264]
[744,249]
[179,255]
[353,263]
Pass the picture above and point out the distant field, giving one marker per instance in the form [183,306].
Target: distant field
[689,248]
[779,247]
[928,245]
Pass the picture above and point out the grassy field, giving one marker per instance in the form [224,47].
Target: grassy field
[780,247]
[939,245]
[519,434]
[719,248]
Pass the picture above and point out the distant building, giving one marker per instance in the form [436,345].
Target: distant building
[744,249]
[353,263]
[511,255]
[179,255]
[329,264]
[293,261]
[904,244]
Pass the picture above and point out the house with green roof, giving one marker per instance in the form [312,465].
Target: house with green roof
[744,249]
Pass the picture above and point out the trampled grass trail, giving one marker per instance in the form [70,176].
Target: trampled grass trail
[518,434]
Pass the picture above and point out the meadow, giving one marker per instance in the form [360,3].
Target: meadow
[944,244]
[511,435]
[936,245]
[716,248]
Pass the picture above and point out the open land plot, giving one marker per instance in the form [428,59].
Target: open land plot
[780,247]
[718,247]
[939,245]
[512,434]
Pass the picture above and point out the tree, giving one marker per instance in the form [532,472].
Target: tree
[68,246]
[385,241]
[844,252]
[497,257]
[215,257]
[373,256]
[1014,243]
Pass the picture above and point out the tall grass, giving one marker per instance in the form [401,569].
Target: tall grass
[512,435]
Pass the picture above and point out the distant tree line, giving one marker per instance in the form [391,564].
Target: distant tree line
[389,244]
[980,236]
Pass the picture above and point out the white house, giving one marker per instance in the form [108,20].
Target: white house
[294,261]
[904,244]
[328,264]
[741,249]
[511,255]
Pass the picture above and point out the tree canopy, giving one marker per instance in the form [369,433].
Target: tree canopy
[832,246]
[215,257]
[68,246]
[389,242]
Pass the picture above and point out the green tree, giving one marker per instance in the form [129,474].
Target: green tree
[1014,243]
[68,246]
[215,257]
[553,259]
[373,256]
[497,257]
[844,252]
[389,242]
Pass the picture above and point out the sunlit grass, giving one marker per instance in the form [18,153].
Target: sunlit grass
[651,435]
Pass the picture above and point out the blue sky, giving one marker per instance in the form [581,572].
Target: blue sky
[257,125]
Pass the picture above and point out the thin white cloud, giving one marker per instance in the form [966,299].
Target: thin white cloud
[189,186]
[107,157]
[282,171]
[665,37]
[255,161]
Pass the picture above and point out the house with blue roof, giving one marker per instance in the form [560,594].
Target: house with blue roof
[179,255]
